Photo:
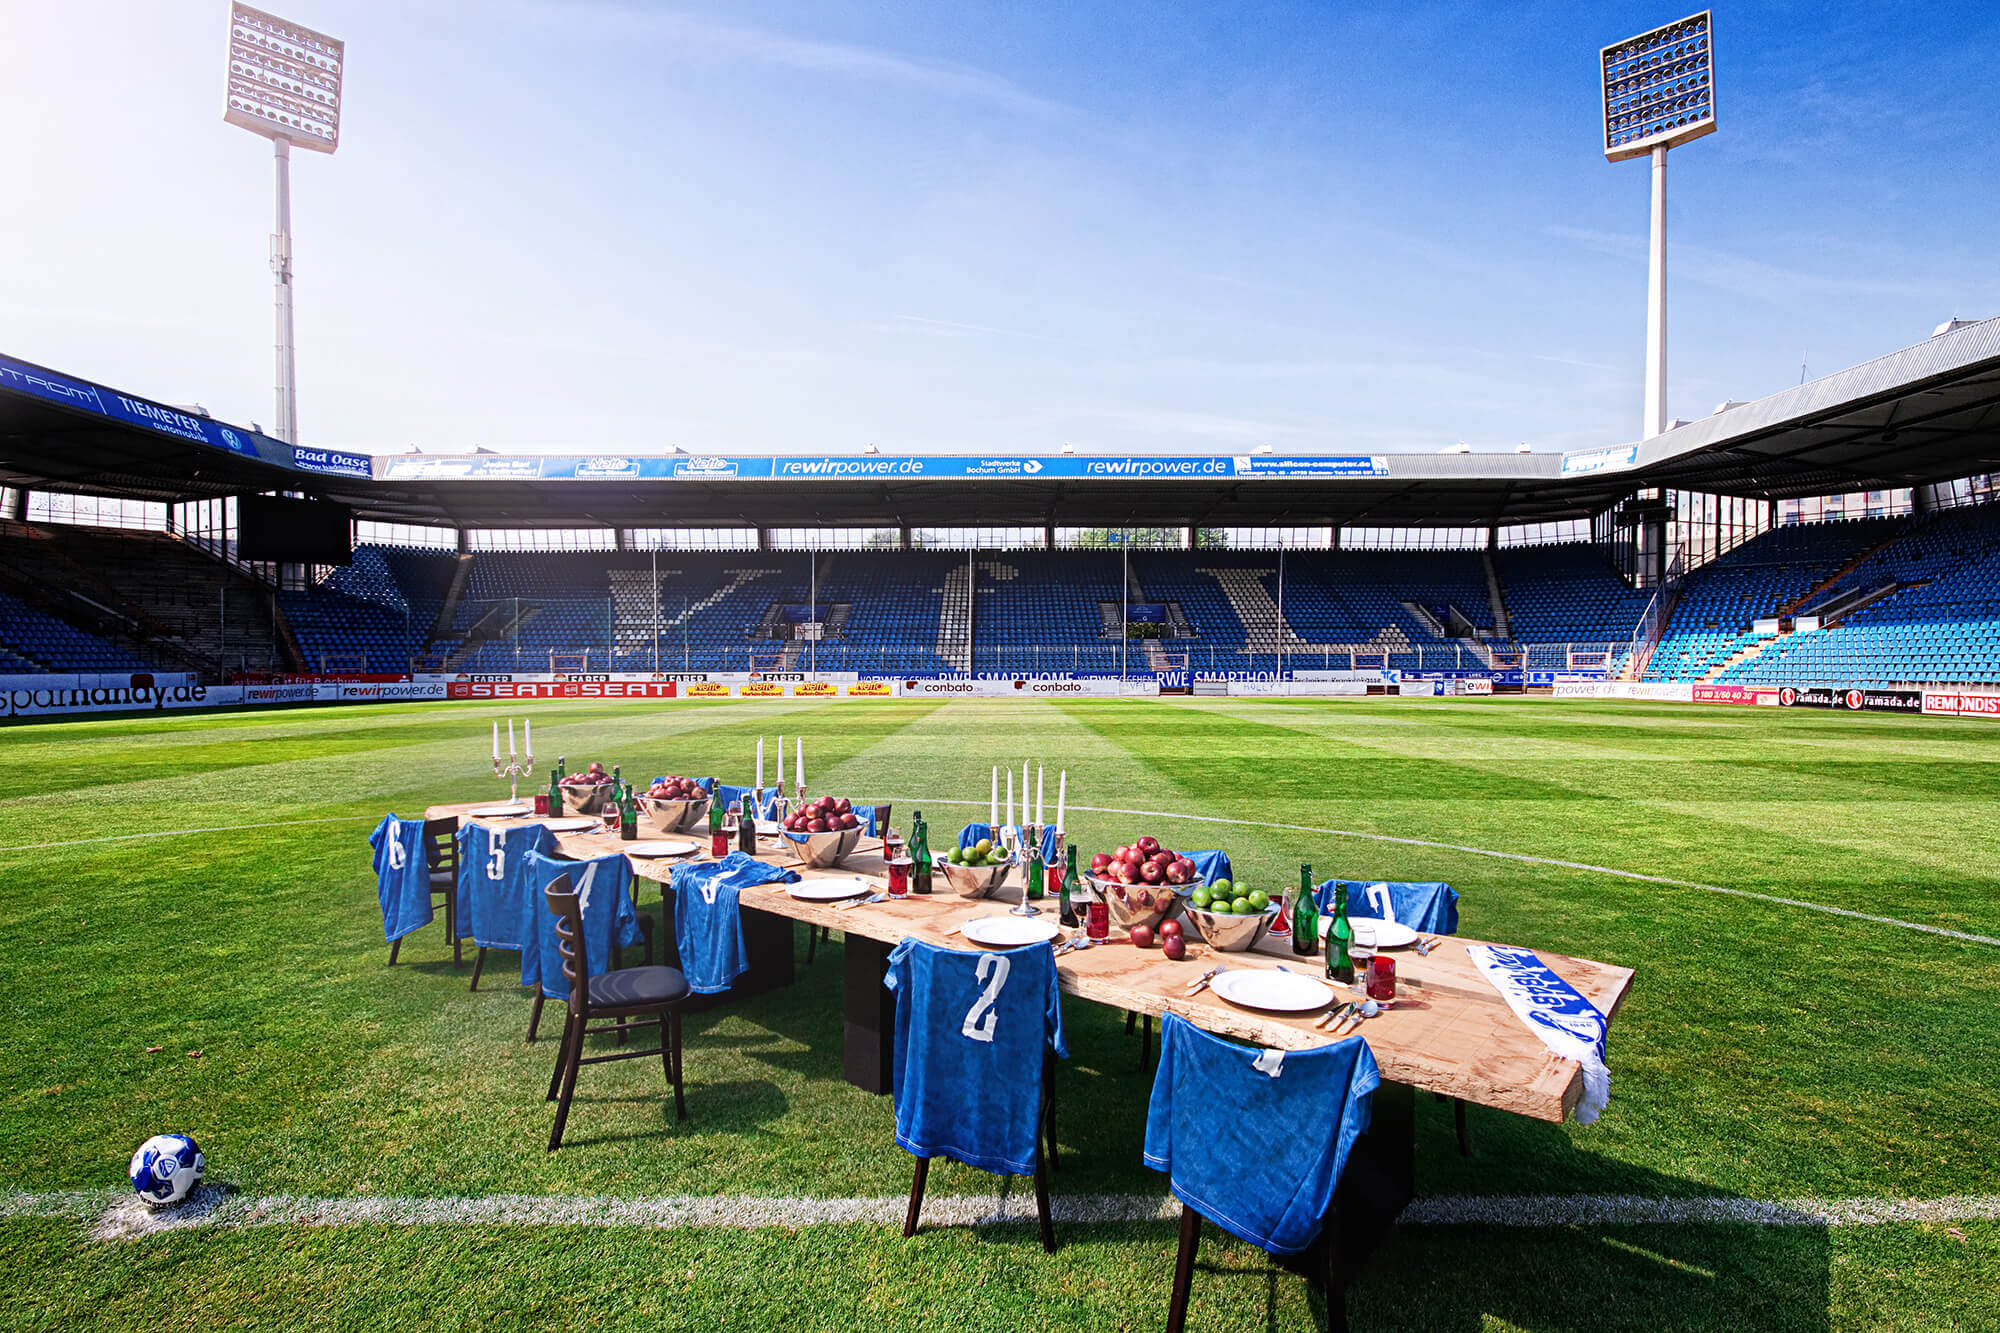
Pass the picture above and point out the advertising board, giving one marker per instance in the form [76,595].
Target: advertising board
[1956,703]
[552,689]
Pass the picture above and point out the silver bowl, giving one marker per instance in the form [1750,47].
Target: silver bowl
[820,850]
[1232,932]
[1128,913]
[582,798]
[973,881]
[676,816]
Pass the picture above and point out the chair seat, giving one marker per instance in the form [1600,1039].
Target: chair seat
[634,987]
[443,881]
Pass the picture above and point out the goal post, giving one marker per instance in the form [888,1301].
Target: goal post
[1508,659]
[568,661]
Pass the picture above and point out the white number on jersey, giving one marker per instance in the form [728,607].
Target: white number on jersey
[496,860]
[398,858]
[583,889]
[980,1019]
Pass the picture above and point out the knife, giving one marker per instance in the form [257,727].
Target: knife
[853,903]
[1201,982]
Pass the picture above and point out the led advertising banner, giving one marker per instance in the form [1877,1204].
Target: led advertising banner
[804,467]
[123,408]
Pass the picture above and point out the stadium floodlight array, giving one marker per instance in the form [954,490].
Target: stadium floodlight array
[1659,92]
[284,84]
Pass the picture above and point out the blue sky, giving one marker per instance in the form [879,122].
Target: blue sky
[988,227]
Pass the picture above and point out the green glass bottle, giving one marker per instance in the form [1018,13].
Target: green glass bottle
[555,789]
[920,854]
[1032,889]
[1072,887]
[1305,917]
[628,814]
[1340,940]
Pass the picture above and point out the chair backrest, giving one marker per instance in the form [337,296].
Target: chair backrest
[563,906]
[1265,1169]
[441,843]
[972,1030]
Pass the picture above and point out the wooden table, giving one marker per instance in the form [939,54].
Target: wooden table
[1450,1032]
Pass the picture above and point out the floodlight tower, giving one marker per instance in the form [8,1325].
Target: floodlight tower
[1659,91]
[284,83]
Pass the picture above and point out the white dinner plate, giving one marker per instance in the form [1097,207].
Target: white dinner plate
[1007,932]
[769,827]
[660,847]
[1275,992]
[576,824]
[1375,933]
[831,888]
[503,811]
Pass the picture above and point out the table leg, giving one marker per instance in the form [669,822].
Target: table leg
[768,943]
[869,1013]
[1381,1172]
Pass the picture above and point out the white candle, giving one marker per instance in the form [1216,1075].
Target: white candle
[510,738]
[992,802]
[781,761]
[799,761]
[1062,798]
[1038,794]
[496,742]
[1010,795]
[760,763]
[1024,791]
[528,736]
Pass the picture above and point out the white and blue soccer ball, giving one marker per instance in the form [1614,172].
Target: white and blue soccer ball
[166,1169]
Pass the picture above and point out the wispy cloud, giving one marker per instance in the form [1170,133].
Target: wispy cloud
[1737,274]
[836,59]
[952,328]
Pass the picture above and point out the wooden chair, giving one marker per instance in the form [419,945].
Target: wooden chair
[441,856]
[652,993]
[1045,1158]
[1322,1265]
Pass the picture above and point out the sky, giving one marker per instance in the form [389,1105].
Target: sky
[579,225]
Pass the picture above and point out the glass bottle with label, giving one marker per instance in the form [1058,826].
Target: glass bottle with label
[1340,940]
[920,854]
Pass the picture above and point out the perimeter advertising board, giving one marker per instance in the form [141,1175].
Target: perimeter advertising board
[563,689]
[1853,700]
[1953,703]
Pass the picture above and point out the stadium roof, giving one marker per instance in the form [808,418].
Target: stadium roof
[1924,414]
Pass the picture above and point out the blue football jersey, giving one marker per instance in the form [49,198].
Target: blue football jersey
[1430,908]
[707,929]
[492,883]
[970,1032]
[1223,1124]
[402,877]
[603,887]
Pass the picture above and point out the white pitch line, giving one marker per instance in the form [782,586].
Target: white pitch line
[1519,856]
[121,1216]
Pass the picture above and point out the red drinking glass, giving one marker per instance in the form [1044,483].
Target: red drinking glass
[899,876]
[541,803]
[1098,920]
[1382,978]
[718,842]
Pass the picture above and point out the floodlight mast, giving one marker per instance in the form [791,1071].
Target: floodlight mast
[1659,91]
[284,83]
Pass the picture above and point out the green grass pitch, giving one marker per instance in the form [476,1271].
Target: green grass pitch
[1768,1051]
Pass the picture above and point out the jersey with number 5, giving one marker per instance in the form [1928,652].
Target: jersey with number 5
[971,1029]
[493,899]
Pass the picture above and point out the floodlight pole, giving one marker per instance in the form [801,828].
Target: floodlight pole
[281,266]
[1656,303]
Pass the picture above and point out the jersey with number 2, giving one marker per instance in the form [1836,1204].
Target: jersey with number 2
[970,1032]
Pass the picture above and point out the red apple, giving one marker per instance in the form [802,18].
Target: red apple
[1131,856]
[1120,854]
[1099,863]
[1142,937]
[1124,873]
[1170,927]
[1179,873]
[1174,947]
[818,826]
[1148,845]
[1152,872]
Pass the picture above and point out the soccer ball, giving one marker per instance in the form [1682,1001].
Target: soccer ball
[166,1169]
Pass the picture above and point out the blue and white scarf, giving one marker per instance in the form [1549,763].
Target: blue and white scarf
[1568,1024]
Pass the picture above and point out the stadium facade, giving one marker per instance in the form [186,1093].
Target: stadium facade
[1831,544]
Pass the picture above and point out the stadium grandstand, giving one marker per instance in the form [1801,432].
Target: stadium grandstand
[1840,534]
